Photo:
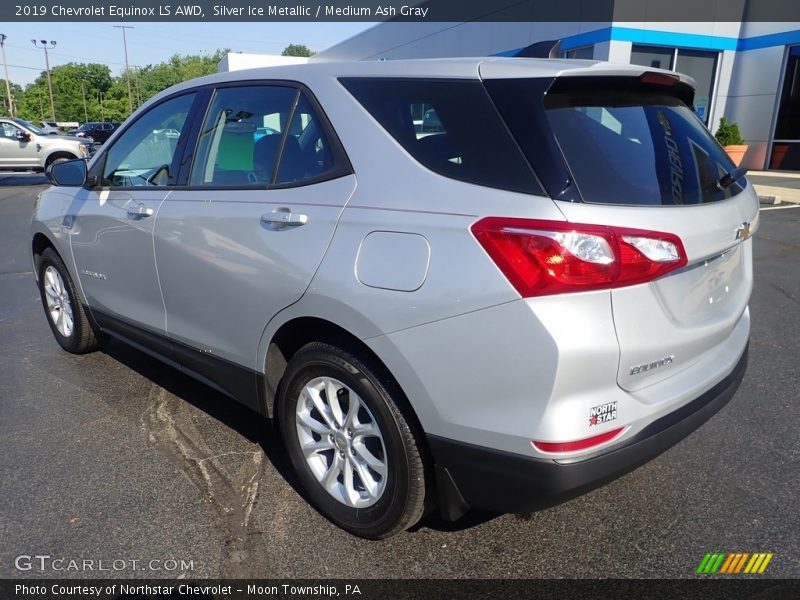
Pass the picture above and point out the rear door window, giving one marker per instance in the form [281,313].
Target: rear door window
[261,135]
[241,135]
[450,126]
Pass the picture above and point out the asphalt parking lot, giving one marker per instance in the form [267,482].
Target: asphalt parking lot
[113,456]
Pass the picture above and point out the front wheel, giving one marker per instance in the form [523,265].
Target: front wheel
[355,453]
[66,316]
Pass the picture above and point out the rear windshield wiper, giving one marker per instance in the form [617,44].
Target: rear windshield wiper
[731,177]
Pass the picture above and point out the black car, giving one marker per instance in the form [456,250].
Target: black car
[98,131]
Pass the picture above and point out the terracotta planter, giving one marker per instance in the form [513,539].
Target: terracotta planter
[778,154]
[736,153]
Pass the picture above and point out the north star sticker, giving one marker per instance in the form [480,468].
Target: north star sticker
[603,413]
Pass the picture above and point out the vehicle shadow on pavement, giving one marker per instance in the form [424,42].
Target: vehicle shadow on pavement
[246,422]
[252,426]
[22,180]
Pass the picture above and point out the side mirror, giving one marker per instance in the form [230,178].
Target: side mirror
[69,173]
[23,136]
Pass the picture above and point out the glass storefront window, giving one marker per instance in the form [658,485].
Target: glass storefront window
[587,52]
[652,56]
[698,64]
[786,144]
[702,66]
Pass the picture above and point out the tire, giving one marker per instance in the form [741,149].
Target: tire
[386,493]
[60,300]
[60,159]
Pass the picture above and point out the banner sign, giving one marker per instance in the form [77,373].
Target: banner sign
[402,10]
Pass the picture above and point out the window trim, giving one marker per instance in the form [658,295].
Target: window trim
[186,149]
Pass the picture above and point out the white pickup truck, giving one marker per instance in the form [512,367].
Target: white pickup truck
[25,147]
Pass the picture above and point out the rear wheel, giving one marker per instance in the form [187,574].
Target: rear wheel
[353,449]
[66,316]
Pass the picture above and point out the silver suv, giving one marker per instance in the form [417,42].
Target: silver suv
[540,295]
[25,147]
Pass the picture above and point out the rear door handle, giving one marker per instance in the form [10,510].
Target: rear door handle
[139,211]
[283,218]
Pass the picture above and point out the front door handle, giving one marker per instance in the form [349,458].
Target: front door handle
[282,218]
[139,211]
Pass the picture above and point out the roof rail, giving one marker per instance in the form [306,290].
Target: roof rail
[544,49]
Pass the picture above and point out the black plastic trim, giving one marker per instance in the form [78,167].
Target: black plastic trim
[499,481]
[240,383]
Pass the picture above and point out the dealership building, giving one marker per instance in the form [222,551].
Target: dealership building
[746,71]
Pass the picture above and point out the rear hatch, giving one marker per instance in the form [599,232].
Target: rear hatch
[627,150]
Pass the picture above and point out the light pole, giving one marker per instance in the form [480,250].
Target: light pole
[138,90]
[127,68]
[48,46]
[85,109]
[5,71]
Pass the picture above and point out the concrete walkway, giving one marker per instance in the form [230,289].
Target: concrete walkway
[776,187]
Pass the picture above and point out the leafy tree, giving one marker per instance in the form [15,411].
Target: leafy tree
[16,91]
[297,50]
[70,83]
[106,97]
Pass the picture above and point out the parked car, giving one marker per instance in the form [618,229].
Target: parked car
[541,297]
[99,132]
[25,147]
[49,127]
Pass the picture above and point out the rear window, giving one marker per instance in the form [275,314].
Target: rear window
[631,146]
[449,126]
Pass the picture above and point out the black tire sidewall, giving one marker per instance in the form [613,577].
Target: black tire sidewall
[50,259]
[381,516]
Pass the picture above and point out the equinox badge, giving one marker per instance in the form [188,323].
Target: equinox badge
[667,360]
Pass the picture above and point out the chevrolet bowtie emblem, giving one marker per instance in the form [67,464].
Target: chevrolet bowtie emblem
[743,231]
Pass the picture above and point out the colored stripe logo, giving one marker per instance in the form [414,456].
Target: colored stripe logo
[734,563]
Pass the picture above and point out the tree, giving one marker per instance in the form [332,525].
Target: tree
[70,83]
[16,90]
[297,50]
[84,92]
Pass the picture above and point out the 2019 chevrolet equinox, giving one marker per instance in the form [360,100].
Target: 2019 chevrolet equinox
[541,293]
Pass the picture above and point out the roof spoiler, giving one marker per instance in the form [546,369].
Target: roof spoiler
[545,49]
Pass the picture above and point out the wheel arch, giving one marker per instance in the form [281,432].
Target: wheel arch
[56,154]
[285,339]
[39,243]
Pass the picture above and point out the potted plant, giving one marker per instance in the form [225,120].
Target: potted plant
[731,140]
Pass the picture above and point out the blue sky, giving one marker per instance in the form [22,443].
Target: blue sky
[154,42]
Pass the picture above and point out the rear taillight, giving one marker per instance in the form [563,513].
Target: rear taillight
[540,258]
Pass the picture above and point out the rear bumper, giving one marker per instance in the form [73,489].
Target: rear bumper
[472,476]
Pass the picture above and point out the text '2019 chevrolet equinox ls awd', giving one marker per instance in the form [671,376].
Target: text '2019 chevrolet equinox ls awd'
[546,291]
